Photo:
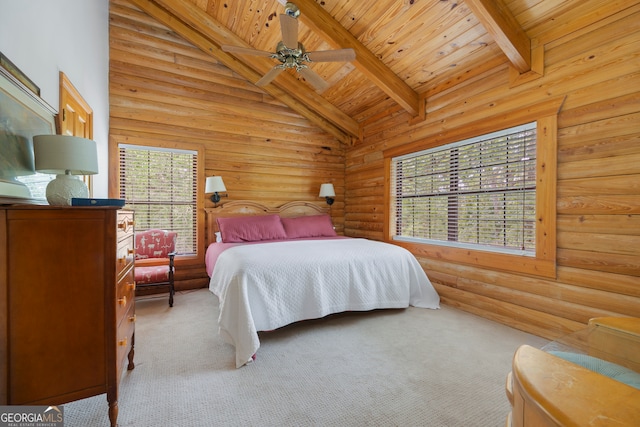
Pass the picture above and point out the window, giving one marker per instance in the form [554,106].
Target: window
[160,185]
[478,193]
[37,184]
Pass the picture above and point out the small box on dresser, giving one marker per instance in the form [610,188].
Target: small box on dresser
[67,311]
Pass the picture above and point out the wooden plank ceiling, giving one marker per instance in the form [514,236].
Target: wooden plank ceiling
[405,50]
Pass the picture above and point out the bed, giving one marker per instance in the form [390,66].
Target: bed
[270,267]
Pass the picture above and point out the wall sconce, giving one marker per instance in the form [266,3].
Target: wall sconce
[65,156]
[327,191]
[214,185]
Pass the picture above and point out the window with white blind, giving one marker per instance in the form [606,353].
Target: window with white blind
[482,194]
[479,193]
[160,185]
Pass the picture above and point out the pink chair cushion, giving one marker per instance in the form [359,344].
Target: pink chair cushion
[153,274]
[155,243]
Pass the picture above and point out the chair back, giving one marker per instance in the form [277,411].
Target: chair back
[155,243]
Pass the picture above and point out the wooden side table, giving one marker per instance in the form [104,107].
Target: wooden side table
[545,390]
[616,339]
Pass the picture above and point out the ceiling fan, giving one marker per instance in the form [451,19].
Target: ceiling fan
[291,53]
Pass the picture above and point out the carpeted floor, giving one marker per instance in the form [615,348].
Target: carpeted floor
[413,367]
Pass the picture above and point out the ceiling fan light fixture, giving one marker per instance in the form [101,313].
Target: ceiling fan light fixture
[295,57]
[291,10]
[285,51]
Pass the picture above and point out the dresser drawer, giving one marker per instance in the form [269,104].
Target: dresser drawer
[125,224]
[124,338]
[125,293]
[125,253]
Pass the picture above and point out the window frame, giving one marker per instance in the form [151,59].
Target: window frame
[543,264]
[114,186]
[511,153]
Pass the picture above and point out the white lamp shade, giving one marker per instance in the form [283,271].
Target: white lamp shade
[326,190]
[65,154]
[214,184]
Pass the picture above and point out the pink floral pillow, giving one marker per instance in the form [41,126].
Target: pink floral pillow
[308,226]
[251,228]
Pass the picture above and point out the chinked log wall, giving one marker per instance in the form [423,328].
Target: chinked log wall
[266,152]
[162,88]
[595,62]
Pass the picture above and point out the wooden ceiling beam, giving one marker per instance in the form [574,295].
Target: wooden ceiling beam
[200,29]
[500,22]
[321,21]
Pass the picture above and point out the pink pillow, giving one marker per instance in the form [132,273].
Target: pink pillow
[308,226]
[251,228]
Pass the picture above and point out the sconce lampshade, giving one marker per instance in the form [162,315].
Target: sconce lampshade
[327,191]
[214,184]
[65,156]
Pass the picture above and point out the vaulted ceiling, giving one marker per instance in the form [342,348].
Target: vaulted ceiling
[406,50]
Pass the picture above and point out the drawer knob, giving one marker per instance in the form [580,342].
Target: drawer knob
[132,319]
[122,225]
[122,301]
[131,251]
[131,223]
[131,286]
[122,342]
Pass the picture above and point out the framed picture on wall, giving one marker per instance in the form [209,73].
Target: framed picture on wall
[23,114]
[19,75]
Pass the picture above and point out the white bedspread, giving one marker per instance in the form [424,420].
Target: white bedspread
[265,286]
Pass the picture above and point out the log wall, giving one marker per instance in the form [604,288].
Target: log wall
[163,89]
[596,65]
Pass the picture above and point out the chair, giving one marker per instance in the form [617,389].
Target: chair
[155,252]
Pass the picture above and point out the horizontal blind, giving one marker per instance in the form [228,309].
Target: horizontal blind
[37,184]
[476,192]
[160,186]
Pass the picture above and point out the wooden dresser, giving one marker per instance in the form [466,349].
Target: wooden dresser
[67,303]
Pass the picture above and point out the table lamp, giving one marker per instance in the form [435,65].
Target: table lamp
[65,156]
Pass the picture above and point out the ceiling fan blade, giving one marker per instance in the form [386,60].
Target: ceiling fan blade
[289,28]
[314,79]
[268,78]
[332,55]
[245,50]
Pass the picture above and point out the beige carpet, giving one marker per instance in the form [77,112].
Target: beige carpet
[413,367]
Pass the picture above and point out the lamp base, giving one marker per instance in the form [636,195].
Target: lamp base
[61,190]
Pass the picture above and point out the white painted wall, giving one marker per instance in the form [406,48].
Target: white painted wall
[44,37]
